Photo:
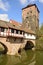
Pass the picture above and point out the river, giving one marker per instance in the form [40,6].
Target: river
[26,58]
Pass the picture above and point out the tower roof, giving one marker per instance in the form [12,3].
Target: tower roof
[30,6]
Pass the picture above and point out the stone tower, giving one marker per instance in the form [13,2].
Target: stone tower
[30,17]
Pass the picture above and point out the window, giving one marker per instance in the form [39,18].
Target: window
[27,17]
[12,30]
[2,29]
[14,39]
[37,19]
[27,12]
[21,40]
[28,25]
[30,11]
[31,34]
[23,33]
[20,32]
[27,34]
[16,31]
[34,16]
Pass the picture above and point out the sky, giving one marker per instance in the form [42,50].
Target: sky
[12,9]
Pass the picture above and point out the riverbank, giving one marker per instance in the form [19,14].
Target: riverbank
[27,58]
[39,43]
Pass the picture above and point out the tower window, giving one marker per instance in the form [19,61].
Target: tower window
[28,25]
[30,11]
[27,12]
[37,19]
[26,17]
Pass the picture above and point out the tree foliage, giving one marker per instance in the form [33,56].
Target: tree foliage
[39,40]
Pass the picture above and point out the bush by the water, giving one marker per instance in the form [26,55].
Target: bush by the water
[39,40]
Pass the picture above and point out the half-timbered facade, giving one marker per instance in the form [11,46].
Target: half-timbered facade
[16,35]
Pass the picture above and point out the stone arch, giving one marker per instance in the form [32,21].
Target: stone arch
[5,48]
[19,51]
[29,45]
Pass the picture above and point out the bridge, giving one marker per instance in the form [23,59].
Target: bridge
[15,36]
[12,43]
[5,49]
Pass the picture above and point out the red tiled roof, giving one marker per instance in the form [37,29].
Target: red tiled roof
[15,23]
[10,25]
[20,27]
[29,31]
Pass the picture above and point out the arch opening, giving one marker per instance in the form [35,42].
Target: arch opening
[5,49]
[19,51]
[29,45]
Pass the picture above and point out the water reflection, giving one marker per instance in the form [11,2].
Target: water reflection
[26,58]
[3,60]
[39,58]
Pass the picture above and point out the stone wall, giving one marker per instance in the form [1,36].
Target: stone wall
[30,17]
[13,46]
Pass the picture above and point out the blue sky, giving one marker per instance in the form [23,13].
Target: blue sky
[12,9]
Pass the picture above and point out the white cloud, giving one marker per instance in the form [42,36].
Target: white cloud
[4,5]
[4,17]
[23,1]
[27,1]
[41,1]
[30,1]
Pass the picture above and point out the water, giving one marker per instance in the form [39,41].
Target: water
[26,58]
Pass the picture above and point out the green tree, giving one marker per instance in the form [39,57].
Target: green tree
[39,38]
